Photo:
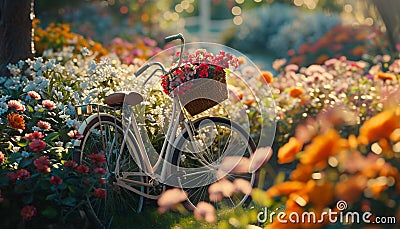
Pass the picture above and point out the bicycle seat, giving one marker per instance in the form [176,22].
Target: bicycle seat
[117,99]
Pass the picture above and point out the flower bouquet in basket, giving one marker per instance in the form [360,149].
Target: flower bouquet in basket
[200,81]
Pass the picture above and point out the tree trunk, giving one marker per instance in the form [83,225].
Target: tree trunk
[389,11]
[15,32]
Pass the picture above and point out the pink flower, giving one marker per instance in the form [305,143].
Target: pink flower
[97,158]
[75,134]
[34,95]
[278,63]
[28,212]
[37,145]
[33,136]
[70,164]
[220,189]
[100,193]
[170,198]
[49,104]
[23,174]
[100,171]
[17,105]
[82,169]
[2,157]
[55,180]
[205,211]
[44,125]
[243,186]
[42,164]
[1,197]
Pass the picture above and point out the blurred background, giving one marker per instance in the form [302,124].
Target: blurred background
[302,31]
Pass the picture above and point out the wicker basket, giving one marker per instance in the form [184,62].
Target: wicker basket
[203,95]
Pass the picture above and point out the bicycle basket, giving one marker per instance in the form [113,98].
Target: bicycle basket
[203,95]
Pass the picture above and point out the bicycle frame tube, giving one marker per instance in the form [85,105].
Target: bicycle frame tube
[141,154]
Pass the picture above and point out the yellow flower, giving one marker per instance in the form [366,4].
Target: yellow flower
[16,121]
[321,148]
[287,153]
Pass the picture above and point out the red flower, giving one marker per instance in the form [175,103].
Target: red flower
[44,125]
[55,180]
[42,164]
[100,171]
[23,174]
[37,145]
[70,164]
[28,212]
[100,193]
[2,157]
[34,135]
[82,169]
[75,134]
[203,74]
[97,158]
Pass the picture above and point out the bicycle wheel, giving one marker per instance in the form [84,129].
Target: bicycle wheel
[104,135]
[215,135]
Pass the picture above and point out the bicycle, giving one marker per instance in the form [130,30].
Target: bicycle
[189,158]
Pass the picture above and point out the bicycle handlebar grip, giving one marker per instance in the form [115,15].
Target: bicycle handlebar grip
[141,70]
[173,37]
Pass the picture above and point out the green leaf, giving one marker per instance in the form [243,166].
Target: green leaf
[30,108]
[51,196]
[52,136]
[69,201]
[50,212]
[22,144]
[25,163]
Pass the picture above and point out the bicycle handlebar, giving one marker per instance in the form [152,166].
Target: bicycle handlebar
[174,37]
[167,39]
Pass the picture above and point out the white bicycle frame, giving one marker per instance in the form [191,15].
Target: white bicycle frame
[138,152]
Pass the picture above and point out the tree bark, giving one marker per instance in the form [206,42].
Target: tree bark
[389,11]
[15,32]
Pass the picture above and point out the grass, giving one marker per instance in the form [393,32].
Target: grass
[150,218]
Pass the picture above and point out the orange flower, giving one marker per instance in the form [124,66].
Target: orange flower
[285,188]
[321,148]
[380,126]
[287,153]
[302,172]
[266,76]
[16,121]
[315,189]
[385,76]
[295,92]
[351,188]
